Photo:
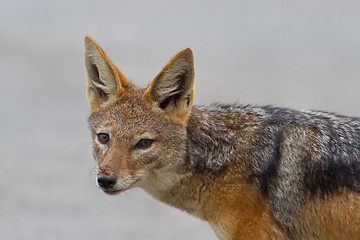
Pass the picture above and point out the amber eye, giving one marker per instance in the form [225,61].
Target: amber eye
[103,138]
[144,143]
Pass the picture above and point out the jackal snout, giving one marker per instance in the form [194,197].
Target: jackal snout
[106,182]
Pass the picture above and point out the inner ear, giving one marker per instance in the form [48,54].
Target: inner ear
[95,79]
[173,93]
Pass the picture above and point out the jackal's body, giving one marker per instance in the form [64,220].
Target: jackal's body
[251,172]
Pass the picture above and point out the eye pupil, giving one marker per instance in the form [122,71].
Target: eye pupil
[144,143]
[103,137]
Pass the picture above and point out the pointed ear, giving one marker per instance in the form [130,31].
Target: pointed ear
[105,81]
[172,88]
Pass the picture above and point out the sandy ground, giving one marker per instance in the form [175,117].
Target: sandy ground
[304,55]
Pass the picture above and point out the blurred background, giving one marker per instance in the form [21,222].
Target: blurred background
[298,54]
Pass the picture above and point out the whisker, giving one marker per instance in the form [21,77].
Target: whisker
[85,146]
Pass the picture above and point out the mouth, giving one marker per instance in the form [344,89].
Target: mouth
[112,192]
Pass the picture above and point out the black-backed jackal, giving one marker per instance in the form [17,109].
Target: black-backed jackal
[251,172]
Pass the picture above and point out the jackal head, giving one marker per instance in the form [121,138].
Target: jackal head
[139,135]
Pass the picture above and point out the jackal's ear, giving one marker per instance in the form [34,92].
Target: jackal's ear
[105,81]
[172,88]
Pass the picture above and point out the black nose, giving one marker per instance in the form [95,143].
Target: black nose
[106,181]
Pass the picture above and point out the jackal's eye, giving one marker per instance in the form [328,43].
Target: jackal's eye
[144,143]
[103,138]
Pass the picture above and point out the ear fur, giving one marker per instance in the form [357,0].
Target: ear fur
[172,88]
[105,81]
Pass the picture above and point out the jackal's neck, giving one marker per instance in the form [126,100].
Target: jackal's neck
[213,142]
[217,134]
[219,138]
[213,183]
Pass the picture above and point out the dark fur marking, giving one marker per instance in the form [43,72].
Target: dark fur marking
[338,166]
[265,158]
[332,172]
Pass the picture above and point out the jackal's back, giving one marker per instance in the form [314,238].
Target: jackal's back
[296,156]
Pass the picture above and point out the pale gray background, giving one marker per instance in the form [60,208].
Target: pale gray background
[299,54]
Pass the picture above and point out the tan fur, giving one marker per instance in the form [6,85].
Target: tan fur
[238,210]
[331,218]
[204,161]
